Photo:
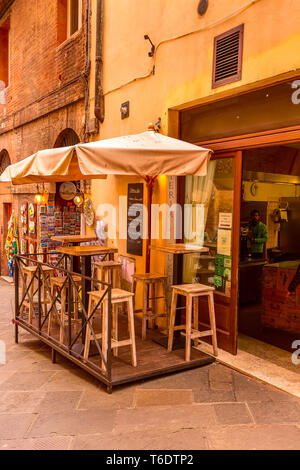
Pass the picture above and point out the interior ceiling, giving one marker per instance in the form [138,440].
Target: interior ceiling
[281,159]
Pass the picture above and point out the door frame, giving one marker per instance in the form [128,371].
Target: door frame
[228,339]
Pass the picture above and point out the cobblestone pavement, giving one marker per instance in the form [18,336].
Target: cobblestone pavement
[58,406]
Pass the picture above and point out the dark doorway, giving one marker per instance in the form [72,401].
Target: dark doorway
[7,211]
[271,185]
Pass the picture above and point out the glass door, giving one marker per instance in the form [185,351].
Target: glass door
[218,194]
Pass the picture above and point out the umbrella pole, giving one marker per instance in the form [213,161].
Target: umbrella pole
[150,180]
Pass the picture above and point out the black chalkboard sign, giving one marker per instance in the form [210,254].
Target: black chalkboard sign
[135,219]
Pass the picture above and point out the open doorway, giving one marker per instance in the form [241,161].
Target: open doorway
[271,193]
[7,211]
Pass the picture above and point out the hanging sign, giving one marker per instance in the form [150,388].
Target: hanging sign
[88,211]
[31,210]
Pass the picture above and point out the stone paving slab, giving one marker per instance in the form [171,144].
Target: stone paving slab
[5,374]
[262,437]
[59,406]
[73,379]
[58,401]
[214,396]
[98,398]
[220,374]
[165,416]
[162,439]
[73,423]
[20,402]
[192,379]
[233,413]
[26,380]
[15,426]
[144,397]
[280,412]
[49,443]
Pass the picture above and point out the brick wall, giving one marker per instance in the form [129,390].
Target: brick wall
[44,75]
[279,311]
[45,94]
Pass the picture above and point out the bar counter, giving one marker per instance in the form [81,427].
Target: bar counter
[280,311]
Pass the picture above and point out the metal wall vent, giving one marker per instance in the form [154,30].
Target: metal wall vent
[228,52]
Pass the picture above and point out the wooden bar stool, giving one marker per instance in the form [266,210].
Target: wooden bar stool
[192,292]
[58,283]
[28,273]
[107,271]
[117,296]
[151,281]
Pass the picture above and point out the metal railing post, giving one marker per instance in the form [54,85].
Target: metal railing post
[39,296]
[69,312]
[17,311]
[109,328]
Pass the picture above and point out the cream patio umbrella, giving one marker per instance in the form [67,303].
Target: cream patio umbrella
[148,155]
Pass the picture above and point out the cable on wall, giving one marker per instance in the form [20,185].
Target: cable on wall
[175,38]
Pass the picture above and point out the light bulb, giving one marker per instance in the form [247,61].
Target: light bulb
[78,200]
[38,198]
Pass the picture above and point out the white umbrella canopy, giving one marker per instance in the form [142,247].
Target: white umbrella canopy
[44,165]
[148,153]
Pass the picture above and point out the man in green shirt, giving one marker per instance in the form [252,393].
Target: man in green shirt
[258,235]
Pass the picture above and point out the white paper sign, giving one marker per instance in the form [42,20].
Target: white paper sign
[225,220]
[224,242]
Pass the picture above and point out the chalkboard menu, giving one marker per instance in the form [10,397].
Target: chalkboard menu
[135,219]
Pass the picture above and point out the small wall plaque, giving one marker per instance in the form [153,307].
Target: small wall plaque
[124,110]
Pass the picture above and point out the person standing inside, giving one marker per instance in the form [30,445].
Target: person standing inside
[258,235]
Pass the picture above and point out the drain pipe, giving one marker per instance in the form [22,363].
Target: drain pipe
[99,98]
[85,74]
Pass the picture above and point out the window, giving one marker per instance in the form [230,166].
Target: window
[4,160]
[74,16]
[69,18]
[257,111]
[227,62]
[4,55]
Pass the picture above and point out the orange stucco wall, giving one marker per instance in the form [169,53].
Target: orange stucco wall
[183,67]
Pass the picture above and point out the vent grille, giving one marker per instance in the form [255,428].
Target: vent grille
[227,66]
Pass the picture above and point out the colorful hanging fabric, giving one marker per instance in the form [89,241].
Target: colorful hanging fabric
[11,244]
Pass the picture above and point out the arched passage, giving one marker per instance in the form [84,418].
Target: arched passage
[4,160]
[66,138]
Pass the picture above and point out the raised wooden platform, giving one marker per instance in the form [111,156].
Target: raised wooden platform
[152,358]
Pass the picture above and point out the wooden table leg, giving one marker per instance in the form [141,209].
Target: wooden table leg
[189,304]
[145,306]
[86,287]
[105,332]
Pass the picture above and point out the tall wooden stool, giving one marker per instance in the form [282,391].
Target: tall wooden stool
[192,292]
[151,281]
[28,273]
[109,272]
[57,283]
[117,296]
